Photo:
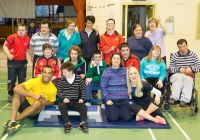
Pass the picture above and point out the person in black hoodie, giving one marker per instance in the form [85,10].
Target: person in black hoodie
[89,38]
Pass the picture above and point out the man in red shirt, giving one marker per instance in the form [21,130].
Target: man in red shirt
[15,48]
[110,41]
[128,58]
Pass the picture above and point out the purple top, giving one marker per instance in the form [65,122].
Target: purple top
[157,38]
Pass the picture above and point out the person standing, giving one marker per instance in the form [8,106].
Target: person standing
[40,38]
[67,38]
[110,41]
[139,45]
[89,39]
[15,48]
[156,35]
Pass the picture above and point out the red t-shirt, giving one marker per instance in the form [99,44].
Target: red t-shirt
[18,46]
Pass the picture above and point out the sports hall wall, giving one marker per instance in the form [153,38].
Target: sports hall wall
[184,12]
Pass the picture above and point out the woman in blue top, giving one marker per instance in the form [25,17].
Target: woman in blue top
[67,38]
[139,45]
[143,105]
[153,68]
[114,90]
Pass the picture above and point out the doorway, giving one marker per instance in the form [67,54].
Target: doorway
[133,14]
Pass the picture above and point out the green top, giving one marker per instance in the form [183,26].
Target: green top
[96,71]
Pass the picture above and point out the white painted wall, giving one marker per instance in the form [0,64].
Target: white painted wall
[184,12]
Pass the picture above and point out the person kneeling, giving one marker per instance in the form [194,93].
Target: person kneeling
[72,92]
[143,105]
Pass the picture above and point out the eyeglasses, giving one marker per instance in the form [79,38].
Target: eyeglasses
[97,57]
[110,23]
[21,30]
[71,25]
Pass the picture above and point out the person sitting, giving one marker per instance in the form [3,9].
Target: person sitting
[183,64]
[93,75]
[114,90]
[128,58]
[153,68]
[48,59]
[71,91]
[143,105]
[75,57]
[30,97]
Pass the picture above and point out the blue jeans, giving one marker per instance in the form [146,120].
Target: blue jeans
[90,87]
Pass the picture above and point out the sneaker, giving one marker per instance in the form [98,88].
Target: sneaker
[11,127]
[139,118]
[83,127]
[88,104]
[10,99]
[182,104]
[68,127]
[103,106]
[6,125]
[160,120]
[172,101]
[94,95]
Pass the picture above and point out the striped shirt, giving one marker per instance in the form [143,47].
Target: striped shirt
[37,41]
[178,61]
[76,90]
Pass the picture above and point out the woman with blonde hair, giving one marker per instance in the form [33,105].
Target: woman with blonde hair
[153,68]
[67,38]
[143,105]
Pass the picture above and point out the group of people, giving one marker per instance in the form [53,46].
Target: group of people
[123,71]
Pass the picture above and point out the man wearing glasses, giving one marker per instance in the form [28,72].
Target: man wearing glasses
[110,41]
[15,48]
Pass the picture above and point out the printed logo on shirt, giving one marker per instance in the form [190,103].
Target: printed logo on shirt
[25,43]
[79,69]
[40,63]
[50,41]
[53,63]
[141,93]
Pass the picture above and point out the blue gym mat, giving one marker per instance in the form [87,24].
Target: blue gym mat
[75,120]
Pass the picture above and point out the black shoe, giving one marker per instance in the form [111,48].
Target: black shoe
[10,99]
[83,127]
[182,104]
[11,127]
[172,101]
[68,127]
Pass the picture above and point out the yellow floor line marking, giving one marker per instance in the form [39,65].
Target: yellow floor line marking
[6,107]
[187,137]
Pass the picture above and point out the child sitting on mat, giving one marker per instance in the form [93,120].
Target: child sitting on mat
[143,105]
[71,91]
